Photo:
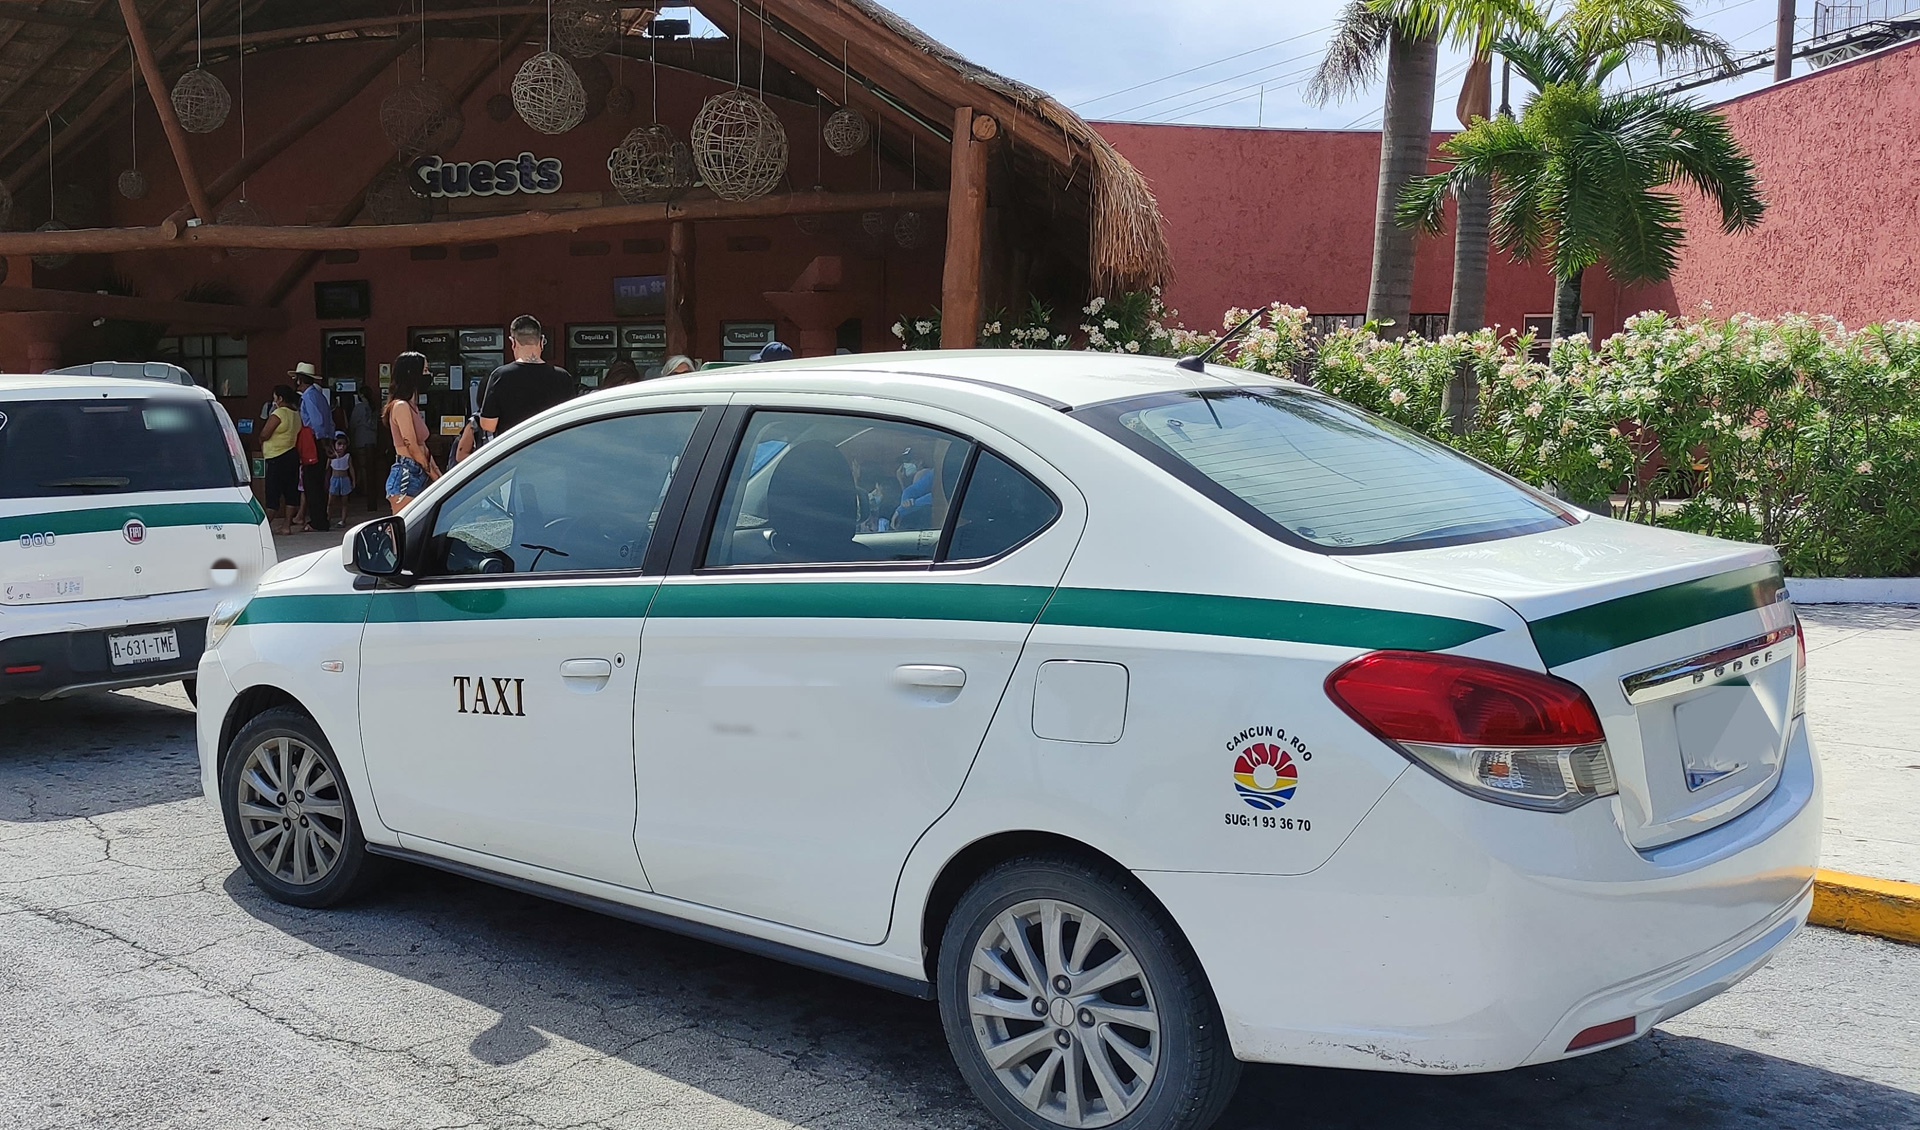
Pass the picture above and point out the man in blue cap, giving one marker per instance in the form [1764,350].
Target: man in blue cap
[773,351]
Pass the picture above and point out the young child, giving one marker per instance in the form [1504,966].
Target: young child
[339,479]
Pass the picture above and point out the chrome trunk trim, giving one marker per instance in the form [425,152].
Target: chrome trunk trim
[1708,668]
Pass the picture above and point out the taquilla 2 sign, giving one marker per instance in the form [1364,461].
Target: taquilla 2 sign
[432,176]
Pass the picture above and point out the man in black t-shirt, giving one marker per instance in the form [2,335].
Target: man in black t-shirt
[527,385]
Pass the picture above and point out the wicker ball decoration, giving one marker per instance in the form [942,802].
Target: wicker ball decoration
[810,223]
[500,107]
[620,100]
[133,184]
[391,200]
[548,94]
[52,262]
[846,132]
[421,117]
[650,165]
[201,101]
[910,230]
[873,224]
[585,28]
[597,81]
[739,146]
[241,213]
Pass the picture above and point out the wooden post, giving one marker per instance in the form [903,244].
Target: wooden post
[680,332]
[966,223]
[176,137]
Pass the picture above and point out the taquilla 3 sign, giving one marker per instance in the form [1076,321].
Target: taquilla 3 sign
[431,176]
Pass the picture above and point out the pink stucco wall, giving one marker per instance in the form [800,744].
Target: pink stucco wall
[1264,215]
[1841,235]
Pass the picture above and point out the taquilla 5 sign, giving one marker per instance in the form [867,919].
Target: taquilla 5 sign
[526,173]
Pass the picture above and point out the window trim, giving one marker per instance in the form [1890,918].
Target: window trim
[672,508]
[1105,416]
[695,535]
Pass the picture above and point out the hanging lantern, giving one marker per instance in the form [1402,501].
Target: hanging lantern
[585,28]
[620,100]
[133,184]
[201,101]
[910,230]
[52,262]
[548,95]
[739,146]
[241,213]
[650,165]
[846,132]
[391,200]
[421,117]
[500,107]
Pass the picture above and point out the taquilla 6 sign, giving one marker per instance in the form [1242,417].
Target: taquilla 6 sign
[431,176]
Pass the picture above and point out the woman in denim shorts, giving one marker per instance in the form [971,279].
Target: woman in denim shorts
[413,466]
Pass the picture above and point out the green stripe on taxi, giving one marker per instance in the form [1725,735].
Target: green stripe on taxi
[112,518]
[1583,632]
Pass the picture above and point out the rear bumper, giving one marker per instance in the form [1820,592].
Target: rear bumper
[63,647]
[1451,935]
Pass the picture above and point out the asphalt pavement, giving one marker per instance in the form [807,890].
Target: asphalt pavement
[144,982]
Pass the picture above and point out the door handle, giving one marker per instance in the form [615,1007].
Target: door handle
[931,675]
[586,669]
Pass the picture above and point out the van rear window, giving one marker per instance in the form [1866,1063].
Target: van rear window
[73,448]
[1321,474]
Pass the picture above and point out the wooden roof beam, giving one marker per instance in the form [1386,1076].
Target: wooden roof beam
[176,136]
[337,27]
[28,74]
[301,126]
[362,237]
[210,315]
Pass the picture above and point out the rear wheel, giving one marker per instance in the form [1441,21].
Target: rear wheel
[192,687]
[1069,1000]
[288,813]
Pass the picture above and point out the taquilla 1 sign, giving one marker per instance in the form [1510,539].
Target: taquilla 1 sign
[430,176]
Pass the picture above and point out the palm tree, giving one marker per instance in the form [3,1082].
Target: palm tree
[1362,37]
[1573,55]
[1584,174]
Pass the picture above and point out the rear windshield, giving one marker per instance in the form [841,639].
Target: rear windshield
[1323,474]
[67,448]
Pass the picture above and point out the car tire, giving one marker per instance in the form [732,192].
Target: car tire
[1149,1050]
[192,687]
[280,768]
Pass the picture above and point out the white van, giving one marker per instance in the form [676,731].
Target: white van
[125,516]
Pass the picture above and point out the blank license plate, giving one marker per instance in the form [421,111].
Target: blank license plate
[144,647]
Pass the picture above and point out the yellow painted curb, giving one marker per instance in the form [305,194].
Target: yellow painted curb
[1880,907]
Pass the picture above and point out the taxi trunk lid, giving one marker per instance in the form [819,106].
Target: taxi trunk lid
[1685,645]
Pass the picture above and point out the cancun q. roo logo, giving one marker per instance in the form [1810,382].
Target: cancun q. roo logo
[1264,776]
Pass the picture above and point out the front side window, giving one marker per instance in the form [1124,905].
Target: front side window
[75,448]
[585,498]
[1322,473]
[816,488]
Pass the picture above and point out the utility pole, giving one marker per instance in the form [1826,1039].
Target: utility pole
[1783,42]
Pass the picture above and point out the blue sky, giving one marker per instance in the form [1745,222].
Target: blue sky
[1089,53]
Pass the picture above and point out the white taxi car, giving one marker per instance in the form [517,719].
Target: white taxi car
[1152,720]
[125,516]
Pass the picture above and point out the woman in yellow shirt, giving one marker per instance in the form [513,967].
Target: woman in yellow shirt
[277,440]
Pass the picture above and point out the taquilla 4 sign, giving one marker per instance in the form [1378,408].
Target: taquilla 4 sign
[432,176]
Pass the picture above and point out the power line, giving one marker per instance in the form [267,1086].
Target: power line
[1189,91]
[1201,67]
[1238,94]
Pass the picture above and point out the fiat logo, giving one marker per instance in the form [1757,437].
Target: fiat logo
[135,531]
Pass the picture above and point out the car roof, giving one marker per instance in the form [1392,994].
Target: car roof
[1062,379]
[53,386]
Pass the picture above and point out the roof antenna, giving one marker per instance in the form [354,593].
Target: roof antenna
[1198,364]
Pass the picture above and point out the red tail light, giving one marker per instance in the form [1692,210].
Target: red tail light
[1417,696]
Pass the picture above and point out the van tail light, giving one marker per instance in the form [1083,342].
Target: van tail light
[1799,667]
[1500,733]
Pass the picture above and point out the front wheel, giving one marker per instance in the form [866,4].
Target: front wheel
[1069,1000]
[288,813]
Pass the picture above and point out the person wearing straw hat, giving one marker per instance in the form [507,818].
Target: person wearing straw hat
[316,420]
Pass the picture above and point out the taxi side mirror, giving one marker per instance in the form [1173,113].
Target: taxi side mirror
[377,548]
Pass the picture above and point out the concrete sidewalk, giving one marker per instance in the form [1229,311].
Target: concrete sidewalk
[1863,698]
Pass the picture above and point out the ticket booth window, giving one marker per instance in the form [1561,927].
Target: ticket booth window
[217,361]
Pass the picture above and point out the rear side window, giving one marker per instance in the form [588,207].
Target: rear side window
[1322,474]
[1001,508]
[75,448]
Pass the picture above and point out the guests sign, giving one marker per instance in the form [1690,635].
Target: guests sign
[430,176]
